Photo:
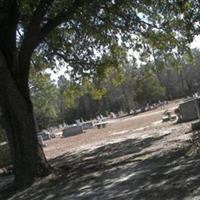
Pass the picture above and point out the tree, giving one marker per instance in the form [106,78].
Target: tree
[180,78]
[147,87]
[44,95]
[77,32]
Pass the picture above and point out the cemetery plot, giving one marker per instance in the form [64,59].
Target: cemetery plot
[139,156]
[92,136]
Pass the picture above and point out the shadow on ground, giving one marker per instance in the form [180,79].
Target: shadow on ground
[122,170]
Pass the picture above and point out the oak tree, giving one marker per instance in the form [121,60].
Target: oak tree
[75,34]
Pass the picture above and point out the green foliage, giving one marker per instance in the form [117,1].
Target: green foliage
[85,36]
[98,93]
[118,79]
[44,96]
[142,85]
[192,57]
[72,93]
[90,40]
[148,87]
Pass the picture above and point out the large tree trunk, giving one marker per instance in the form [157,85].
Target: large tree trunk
[28,157]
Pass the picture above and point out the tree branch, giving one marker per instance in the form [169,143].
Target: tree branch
[31,37]
[34,35]
[60,18]
[39,14]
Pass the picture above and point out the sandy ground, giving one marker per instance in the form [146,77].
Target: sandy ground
[116,128]
[136,158]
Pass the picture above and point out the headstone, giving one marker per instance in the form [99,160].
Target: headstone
[98,118]
[87,125]
[72,130]
[112,115]
[165,119]
[45,135]
[101,125]
[188,110]
[101,116]
[41,141]
[78,122]
[59,126]
[196,125]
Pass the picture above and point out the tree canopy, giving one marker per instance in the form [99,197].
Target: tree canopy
[77,33]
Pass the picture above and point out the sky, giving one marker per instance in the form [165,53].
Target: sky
[196,42]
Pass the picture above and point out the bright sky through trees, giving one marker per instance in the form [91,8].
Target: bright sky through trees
[54,76]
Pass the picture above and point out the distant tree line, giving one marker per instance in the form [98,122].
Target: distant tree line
[65,101]
[132,88]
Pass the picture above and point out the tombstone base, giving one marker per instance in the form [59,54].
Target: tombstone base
[195,125]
